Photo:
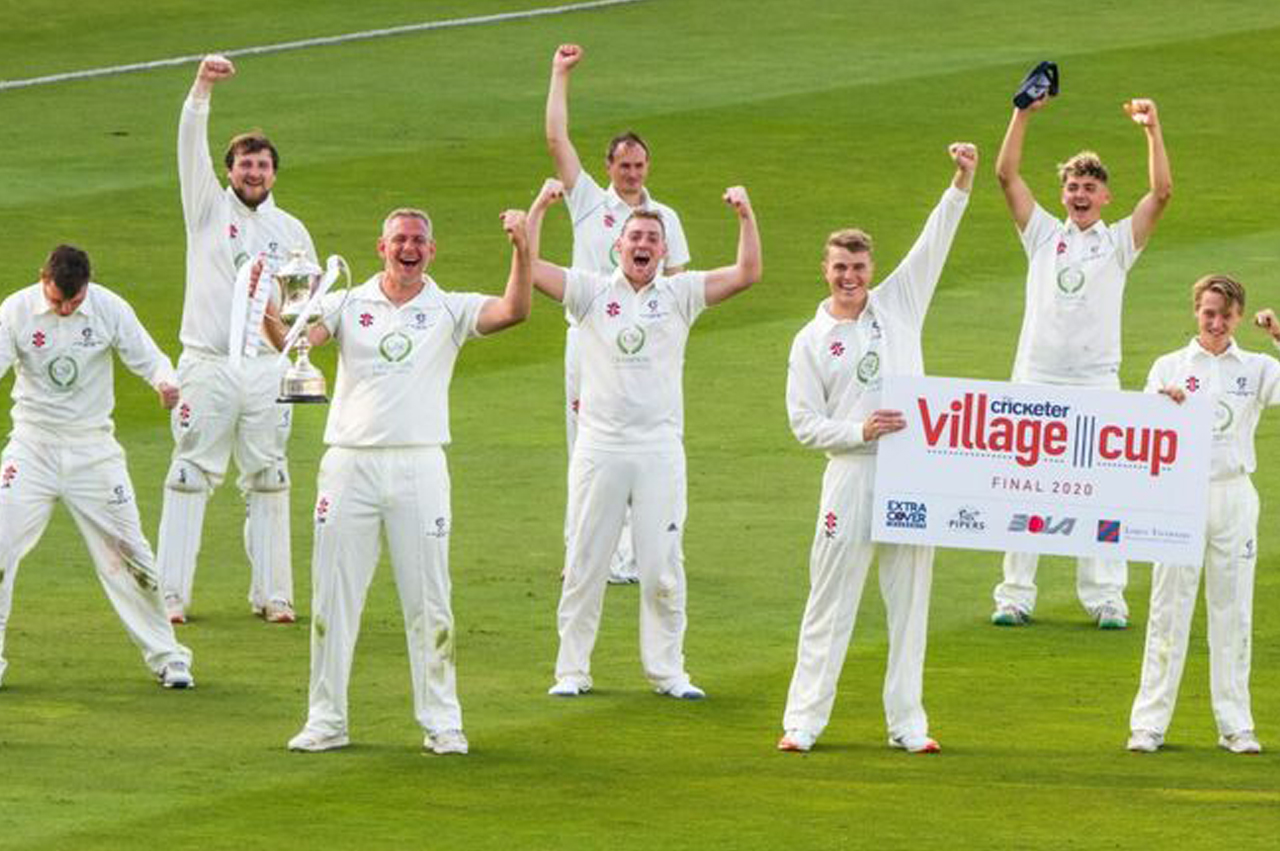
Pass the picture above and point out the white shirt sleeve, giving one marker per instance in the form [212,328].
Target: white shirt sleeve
[584,197]
[331,307]
[1156,379]
[677,245]
[690,289]
[8,347]
[909,288]
[137,350]
[1269,391]
[464,309]
[806,404]
[579,290]
[1040,228]
[196,177]
[1127,252]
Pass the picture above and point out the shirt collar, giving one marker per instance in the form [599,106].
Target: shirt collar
[371,290]
[1197,350]
[615,201]
[1072,228]
[826,321]
[243,209]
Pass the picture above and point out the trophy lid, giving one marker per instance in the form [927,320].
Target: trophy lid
[298,265]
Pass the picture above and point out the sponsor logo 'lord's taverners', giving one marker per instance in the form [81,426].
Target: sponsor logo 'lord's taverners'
[1032,431]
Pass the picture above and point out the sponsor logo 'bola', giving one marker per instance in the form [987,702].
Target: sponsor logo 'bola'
[1035,429]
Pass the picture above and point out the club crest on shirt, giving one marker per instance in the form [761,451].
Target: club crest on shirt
[1070,280]
[88,340]
[119,496]
[631,340]
[395,347]
[609,221]
[613,308]
[837,349]
[1223,417]
[38,339]
[63,371]
[868,367]
[1193,384]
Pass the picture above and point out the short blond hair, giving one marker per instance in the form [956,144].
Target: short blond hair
[407,213]
[1224,285]
[1083,164]
[853,240]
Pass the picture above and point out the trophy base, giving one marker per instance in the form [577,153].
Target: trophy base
[303,385]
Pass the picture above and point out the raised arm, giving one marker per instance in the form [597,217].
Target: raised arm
[513,307]
[1151,206]
[563,154]
[1009,165]
[728,281]
[547,277]
[196,176]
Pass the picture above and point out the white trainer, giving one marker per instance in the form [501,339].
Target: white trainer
[797,741]
[682,690]
[1111,617]
[176,674]
[1145,741]
[1243,742]
[312,740]
[278,611]
[445,742]
[1007,614]
[569,687]
[913,743]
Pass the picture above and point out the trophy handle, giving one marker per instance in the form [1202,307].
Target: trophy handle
[334,267]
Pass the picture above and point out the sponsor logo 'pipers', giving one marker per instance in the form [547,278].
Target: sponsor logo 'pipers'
[1032,430]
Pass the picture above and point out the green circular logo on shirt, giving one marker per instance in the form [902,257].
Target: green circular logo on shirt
[1223,417]
[63,371]
[868,367]
[395,347]
[1070,279]
[631,340]
[613,255]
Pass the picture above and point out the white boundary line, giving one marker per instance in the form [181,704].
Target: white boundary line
[316,42]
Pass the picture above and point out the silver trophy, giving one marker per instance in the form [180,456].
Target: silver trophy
[303,286]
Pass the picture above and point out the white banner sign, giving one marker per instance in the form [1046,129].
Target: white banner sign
[1031,468]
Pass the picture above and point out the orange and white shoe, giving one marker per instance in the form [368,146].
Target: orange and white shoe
[915,744]
[797,741]
[174,611]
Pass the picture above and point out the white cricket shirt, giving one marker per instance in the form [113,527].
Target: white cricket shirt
[632,348]
[222,234]
[63,387]
[1239,383]
[836,368]
[1075,295]
[395,364]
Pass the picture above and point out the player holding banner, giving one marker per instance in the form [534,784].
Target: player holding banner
[1071,328]
[834,380]
[230,377]
[1240,385]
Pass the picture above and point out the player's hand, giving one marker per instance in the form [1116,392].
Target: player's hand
[215,68]
[736,197]
[513,222]
[882,422]
[1266,320]
[552,191]
[1177,394]
[567,56]
[1142,111]
[168,395]
[965,156]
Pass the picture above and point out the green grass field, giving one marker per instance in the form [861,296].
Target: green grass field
[832,115]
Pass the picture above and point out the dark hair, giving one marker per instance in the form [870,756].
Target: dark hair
[251,143]
[628,138]
[68,268]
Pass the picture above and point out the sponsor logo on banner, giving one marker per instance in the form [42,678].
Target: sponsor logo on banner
[1109,531]
[1038,524]
[1155,535]
[967,519]
[906,514]
[1032,432]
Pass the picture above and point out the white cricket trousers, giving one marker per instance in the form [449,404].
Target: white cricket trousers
[600,485]
[226,411]
[93,483]
[838,563]
[1230,557]
[362,492]
[623,555]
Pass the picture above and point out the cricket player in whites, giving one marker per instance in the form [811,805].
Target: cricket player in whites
[834,379]
[597,215]
[398,339]
[1076,272]
[632,328]
[58,335]
[230,377]
[1240,385]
